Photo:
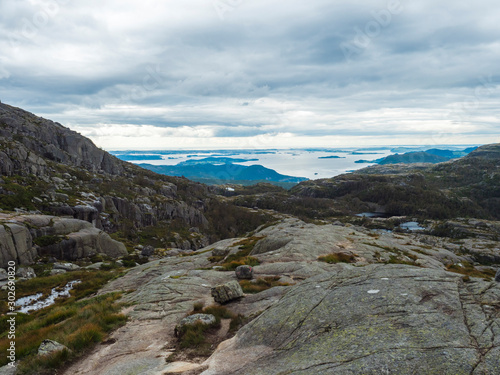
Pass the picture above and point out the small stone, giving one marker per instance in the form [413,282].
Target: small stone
[497,276]
[147,251]
[205,319]
[66,266]
[8,370]
[57,272]
[49,347]
[3,275]
[227,292]
[220,252]
[26,273]
[244,272]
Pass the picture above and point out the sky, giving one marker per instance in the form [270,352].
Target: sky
[258,74]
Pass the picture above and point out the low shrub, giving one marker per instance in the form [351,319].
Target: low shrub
[261,284]
[337,258]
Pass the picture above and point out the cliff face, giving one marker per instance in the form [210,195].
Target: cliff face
[28,141]
[47,168]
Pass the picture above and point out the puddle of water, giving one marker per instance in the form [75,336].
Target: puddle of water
[32,303]
[412,225]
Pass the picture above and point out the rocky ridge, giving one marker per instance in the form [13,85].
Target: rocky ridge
[395,308]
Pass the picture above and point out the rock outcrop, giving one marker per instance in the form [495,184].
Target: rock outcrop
[24,237]
[227,292]
[33,139]
[379,319]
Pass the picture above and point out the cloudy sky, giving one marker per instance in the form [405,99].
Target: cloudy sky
[158,74]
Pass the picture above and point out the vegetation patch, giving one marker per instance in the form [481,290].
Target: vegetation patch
[77,322]
[337,258]
[47,240]
[261,284]
[468,269]
[242,256]
[198,339]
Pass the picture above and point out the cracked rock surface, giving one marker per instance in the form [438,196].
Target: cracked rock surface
[378,319]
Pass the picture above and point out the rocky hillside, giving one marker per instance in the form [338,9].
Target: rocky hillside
[466,187]
[47,168]
[323,299]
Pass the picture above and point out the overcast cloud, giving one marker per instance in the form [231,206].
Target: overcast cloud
[256,73]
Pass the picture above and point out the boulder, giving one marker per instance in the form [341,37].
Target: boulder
[66,266]
[205,319]
[227,292]
[16,245]
[25,272]
[3,275]
[49,347]
[57,272]
[8,370]
[147,251]
[220,252]
[244,272]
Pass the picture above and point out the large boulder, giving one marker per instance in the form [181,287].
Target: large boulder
[227,292]
[49,347]
[26,273]
[244,272]
[378,319]
[16,245]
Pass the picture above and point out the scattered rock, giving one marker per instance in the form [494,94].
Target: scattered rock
[66,266]
[8,370]
[497,276]
[244,272]
[3,275]
[49,347]
[227,292]
[26,273]
[220,252]
[147,251]
[206,319]
[57,272]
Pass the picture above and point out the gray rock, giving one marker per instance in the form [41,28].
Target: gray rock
[3,274]
[378,319]
[8,370]
[49,347]
[15,244]
[66,266]
[147,251]
[57,272]
[220,252]
[206,319]
[26,273]
[227,292]
[497,276]
[244,272]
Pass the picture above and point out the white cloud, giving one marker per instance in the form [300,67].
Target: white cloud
[174,70]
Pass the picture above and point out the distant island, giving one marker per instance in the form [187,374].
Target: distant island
[217,171]
[331,157]
[433,156]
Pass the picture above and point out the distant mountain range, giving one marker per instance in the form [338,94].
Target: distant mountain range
[433,156]
[214,170]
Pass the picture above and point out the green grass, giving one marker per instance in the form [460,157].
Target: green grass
[261,284]
[468,269]
[242,257]
[78,322]
[337,258]
[196,337]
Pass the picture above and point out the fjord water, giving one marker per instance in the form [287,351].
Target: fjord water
[312,164]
